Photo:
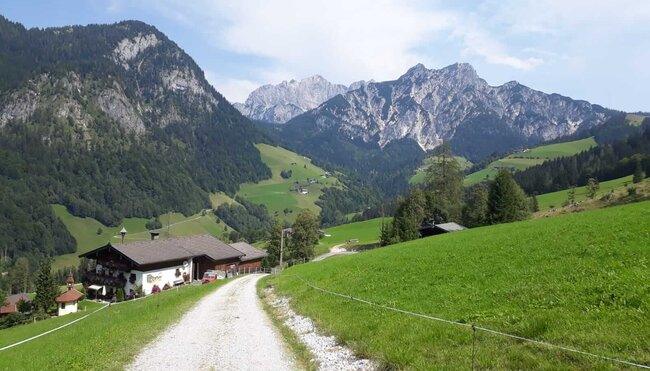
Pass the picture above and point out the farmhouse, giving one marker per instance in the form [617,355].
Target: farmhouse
[11,304]
[434,229]
[252,259]
[156,264]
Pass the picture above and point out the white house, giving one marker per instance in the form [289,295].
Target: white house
[68,301]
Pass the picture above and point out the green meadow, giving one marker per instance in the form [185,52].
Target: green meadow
[366,232]
[531,157]
[556,199]
[578,280]
[634,119]
[277,193]
[106,340]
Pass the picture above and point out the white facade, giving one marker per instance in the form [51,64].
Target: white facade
[67,308]
[158,277]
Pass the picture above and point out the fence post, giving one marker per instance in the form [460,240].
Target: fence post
[473,346]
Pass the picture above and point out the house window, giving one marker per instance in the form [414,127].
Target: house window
[62,305]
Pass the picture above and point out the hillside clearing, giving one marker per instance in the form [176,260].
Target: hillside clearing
[278,193]
[556,199]
[531,157]
[578,281]
[365,232]
[421,172]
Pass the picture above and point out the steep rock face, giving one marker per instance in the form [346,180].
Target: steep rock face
[429,106]
[288,99]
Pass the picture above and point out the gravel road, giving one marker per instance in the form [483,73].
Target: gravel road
[227,330]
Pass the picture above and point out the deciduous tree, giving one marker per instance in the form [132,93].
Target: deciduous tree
[304,236]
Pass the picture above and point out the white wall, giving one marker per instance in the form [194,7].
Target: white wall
[160,277]
[69,308]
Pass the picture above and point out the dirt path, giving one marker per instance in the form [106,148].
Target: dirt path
[334,250]
[226,330]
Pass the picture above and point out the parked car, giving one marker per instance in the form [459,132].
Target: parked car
[209,276]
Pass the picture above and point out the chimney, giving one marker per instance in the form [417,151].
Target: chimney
[154,235]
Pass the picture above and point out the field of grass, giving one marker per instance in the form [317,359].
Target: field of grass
[531,157]
[22,332]
[421,172]
[278,193]
[556,199]
[577,280]
[366,232]
[84,230]
[107,340]
[634,119]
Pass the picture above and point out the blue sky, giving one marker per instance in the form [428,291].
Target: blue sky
[593,50]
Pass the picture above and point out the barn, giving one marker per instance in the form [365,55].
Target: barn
[434,229]
[252,259]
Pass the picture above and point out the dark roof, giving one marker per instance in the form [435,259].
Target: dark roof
[250,252]
[10,304]
[172,249]
[450,227]
[69,296]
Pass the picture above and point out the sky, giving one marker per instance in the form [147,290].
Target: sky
[594,50]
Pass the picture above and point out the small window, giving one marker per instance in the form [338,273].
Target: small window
[62,305]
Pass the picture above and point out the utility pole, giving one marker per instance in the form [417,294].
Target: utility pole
[288,230]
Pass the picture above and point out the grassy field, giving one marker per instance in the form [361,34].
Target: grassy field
[420,173]
[367,232]
[84,231]
[107,340]
[634,119]
[578,280]
[278,193]
[18,333]
[531,157]
[556,199]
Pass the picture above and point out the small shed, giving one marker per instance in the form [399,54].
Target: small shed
[434,229]
[68,301]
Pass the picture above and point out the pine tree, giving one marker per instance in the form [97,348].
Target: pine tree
[592,187]
[638,173]
[304,236]
[46,288]
[409,216]
[20,276]
[506,200]
[3,297]
[444,180]
[475,211]
[534,204]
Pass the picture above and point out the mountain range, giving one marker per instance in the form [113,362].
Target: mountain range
[280,103]
[451,104]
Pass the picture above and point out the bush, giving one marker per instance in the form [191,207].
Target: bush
[119,295]
[155,289]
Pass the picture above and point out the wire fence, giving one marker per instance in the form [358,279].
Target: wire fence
[472,327]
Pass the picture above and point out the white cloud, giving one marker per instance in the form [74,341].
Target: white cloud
[235,90]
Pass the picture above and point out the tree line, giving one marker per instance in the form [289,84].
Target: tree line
[443,198]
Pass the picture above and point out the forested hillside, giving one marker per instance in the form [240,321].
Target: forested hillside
[605,162]
[111,121]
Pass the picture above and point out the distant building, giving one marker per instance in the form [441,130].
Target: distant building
[252,259]
[67,302]
[11,304]
[434,229]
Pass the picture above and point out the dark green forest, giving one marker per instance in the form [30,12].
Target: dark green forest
[604,162]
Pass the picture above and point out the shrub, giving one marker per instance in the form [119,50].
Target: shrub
[119,295]
[155,289]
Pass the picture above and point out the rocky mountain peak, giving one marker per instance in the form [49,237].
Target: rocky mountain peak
[282,102]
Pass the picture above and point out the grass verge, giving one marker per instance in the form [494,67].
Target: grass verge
[107,340]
